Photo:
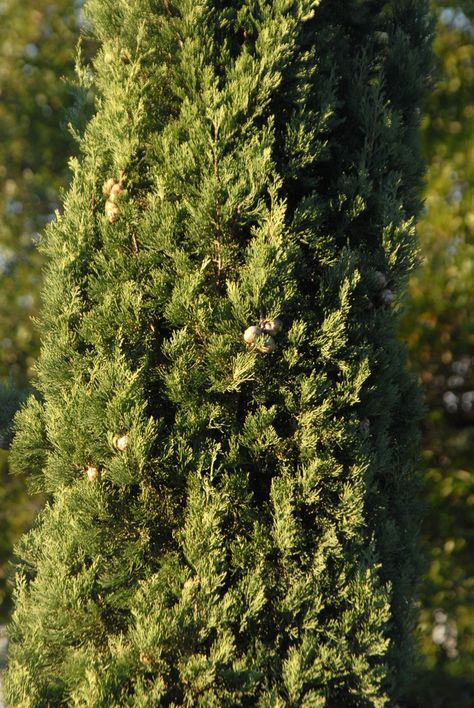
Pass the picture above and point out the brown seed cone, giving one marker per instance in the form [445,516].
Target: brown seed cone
[381,37]
[107,186]
[387,297]
[115,192]
[120,442]
[251,334]
[272,327]
[267,346]
[92,473]
[112,211]
[380,279]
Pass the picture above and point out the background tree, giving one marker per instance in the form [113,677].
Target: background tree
[37,42]
[16,508]
[232,520]
[439,329]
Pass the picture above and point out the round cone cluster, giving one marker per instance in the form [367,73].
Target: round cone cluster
[262,336]
[112,189]
[385,295]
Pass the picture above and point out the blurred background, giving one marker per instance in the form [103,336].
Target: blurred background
[39,97]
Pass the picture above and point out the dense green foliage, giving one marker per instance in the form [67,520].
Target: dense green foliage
[252,539]
[439,328]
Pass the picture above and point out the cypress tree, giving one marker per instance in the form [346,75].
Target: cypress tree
[223,424]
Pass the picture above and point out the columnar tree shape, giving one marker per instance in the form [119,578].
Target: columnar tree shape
[229,523]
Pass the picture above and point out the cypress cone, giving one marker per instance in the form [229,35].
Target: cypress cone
[255,546]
